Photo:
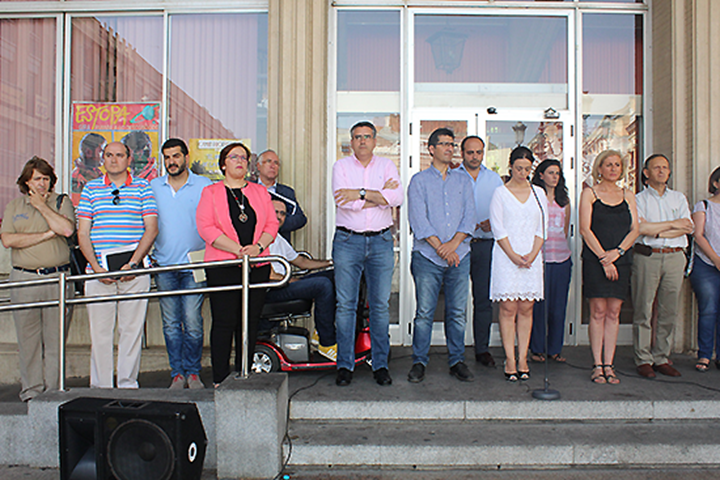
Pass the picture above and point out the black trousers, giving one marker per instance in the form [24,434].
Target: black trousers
[226,308]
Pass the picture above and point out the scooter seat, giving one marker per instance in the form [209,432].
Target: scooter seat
[284,309]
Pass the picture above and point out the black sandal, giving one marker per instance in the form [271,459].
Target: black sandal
[511,377]
[701,366]
[600,377]
[611,378]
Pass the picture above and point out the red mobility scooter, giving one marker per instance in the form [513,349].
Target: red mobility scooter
[287,348]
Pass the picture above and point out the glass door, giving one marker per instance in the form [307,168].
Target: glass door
[548,133]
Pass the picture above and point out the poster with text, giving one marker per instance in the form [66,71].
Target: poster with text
[94,125]
[204,154]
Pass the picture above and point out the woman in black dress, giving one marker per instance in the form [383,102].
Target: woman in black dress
[609,227]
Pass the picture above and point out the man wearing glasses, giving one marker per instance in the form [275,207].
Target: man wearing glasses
[484,181]
[268,166]
[365,187]
[116,211]
[177,195]
[441,211]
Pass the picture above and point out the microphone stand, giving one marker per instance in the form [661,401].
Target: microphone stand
[545,393]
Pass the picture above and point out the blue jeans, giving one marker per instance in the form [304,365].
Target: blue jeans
[429,277]
[352,255]
[480,265]
[705,280]
[319,287]
[557,285]
[182,322]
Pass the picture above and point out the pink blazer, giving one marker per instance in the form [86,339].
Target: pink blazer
[213,218]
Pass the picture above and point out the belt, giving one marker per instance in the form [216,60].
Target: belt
[364,234]
[45,271]
[668,250]
[476,240]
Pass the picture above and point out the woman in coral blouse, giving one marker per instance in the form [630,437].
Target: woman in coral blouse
[235,218]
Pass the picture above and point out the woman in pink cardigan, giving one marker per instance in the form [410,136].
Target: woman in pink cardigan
[235,218]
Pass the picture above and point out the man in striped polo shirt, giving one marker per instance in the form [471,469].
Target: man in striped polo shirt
[116,211]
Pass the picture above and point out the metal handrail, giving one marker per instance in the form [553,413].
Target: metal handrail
[63,279]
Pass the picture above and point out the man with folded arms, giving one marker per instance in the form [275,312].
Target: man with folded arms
[116,210]
[658,265]
[365,187]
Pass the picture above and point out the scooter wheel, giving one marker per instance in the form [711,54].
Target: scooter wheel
[265,360]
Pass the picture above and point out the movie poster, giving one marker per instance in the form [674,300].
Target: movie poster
[94,125]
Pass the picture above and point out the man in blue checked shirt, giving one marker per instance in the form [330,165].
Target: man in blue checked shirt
[441,210]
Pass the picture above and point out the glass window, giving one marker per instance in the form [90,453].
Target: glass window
[511,61]
[612,89]
[218,86]
[116,90]
[368,51]
[27,98]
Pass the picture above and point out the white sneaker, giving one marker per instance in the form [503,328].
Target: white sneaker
[178,382]
[194,382]
[328,352]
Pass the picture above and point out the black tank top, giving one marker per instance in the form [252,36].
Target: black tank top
[610,224]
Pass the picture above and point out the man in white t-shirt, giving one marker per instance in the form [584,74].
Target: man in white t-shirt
[319,286]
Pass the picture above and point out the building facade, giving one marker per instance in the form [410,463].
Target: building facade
[567,78]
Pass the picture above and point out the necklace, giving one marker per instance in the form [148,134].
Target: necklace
[243,216]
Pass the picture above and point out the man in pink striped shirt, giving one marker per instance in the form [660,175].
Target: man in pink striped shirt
[365,187]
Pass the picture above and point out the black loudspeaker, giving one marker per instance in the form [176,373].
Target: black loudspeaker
[103,439]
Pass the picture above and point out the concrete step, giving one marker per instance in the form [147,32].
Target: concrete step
[482,444]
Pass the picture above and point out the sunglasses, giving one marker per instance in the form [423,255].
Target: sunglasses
[116,194]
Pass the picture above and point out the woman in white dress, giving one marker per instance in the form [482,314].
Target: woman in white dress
[519,222]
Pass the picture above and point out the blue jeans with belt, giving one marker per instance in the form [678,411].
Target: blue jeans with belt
[354,254]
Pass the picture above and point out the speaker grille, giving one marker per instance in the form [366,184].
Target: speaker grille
[139,449]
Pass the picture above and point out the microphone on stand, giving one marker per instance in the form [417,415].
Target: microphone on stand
[545,393]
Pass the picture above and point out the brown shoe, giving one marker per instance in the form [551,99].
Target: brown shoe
[646,370]
[666,369]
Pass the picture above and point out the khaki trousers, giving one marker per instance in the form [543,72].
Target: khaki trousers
[659,274]
[38,335]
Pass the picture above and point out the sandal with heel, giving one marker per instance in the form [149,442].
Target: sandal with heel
[598,375]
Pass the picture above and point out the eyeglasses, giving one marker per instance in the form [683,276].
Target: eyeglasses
[447,144]
[281,213]
[365,136]
[237,158]
[116,193]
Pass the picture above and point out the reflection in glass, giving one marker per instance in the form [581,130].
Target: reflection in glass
[490,49]
[368,50]
[616,132]
[27,98]
[545,139]
[388,146]
[218,86]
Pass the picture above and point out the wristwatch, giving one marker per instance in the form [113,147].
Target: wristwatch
[133,265]
[620,251]
[260,247]
[362,193]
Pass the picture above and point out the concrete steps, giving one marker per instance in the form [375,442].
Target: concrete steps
[506,444]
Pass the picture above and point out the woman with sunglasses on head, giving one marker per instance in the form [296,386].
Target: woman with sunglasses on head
[558,265]
[235,218]
[609,227]
[517,216]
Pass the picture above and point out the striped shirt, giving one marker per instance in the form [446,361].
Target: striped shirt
[118,225]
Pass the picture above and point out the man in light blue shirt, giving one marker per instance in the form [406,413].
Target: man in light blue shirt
[485,181]
[177,195]
[442,218]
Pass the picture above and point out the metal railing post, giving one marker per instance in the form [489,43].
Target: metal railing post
[61,314]
[245,367]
